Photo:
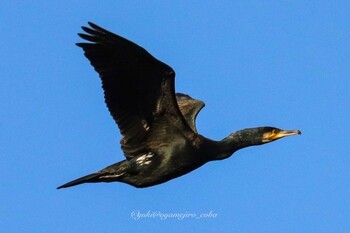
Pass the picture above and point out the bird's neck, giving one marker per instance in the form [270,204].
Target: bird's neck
[227,146]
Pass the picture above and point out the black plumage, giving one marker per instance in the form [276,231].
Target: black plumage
[159,136]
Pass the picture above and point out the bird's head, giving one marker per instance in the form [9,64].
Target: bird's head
[259,135]
[270,134]
[250,137]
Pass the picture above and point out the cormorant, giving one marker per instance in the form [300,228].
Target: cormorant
[159,136]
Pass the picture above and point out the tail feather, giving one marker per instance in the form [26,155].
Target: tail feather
[94,177]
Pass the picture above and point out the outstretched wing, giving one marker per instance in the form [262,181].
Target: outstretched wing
[189,108]
[138,88]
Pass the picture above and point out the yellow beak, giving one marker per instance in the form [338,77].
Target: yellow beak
[283,133]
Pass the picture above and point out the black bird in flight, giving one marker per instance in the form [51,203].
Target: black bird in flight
[159,136]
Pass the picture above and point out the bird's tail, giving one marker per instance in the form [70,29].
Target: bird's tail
[91,178]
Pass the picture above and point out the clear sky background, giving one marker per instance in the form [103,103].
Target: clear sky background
[254,63]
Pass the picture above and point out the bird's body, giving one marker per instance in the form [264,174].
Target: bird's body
[159,136]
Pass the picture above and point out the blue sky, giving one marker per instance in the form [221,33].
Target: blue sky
[254,63]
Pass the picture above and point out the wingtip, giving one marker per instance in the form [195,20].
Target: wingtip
[91,24]
[81,35]
[80,44]
[95,26]
[87,30]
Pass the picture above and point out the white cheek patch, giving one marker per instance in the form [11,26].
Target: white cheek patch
[266,137]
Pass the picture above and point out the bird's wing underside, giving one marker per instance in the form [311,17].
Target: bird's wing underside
[138,88]
[189,108]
